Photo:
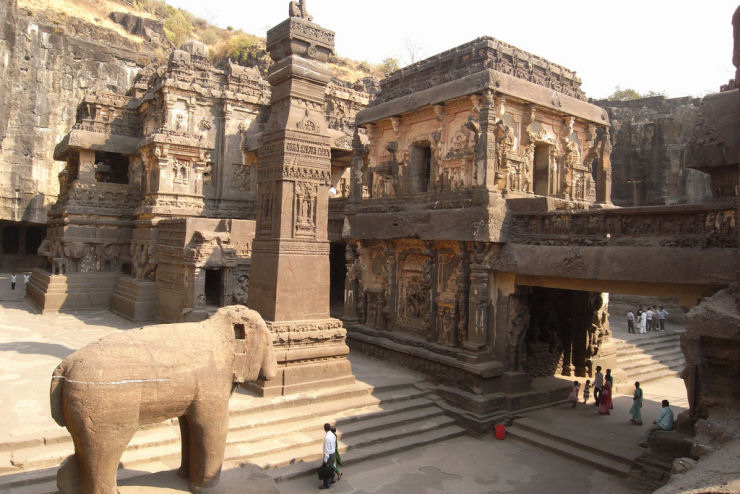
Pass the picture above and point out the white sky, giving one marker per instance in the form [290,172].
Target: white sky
[680,47]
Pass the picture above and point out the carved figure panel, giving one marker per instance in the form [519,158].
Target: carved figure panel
[306,197]
[414,294]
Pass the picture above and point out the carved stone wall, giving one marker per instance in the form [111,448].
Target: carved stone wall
[481,53]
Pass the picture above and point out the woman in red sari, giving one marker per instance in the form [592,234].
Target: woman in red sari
[605,400]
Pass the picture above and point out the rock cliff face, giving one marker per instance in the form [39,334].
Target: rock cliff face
[650,141]
[46,66]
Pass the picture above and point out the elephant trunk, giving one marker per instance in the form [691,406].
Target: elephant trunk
[55,394]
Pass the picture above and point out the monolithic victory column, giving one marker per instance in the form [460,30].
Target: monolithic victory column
[289,283]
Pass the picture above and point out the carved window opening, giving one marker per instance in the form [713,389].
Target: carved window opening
[421,167]
[239,332]
[213,287]
[541,177]
[111,167]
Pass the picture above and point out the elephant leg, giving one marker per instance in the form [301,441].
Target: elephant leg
[98,457]
[99,446]
[208,424]
[184,469]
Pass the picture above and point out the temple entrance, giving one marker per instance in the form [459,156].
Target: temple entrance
[213,287]
[336,278]
[421,167]
[542,169]
[565,331]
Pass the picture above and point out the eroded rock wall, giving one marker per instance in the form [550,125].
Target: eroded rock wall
[46,66]
[650,140]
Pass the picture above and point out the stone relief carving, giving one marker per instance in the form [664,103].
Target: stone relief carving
[306,196]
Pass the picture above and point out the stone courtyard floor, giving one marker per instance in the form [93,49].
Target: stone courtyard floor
[32,345]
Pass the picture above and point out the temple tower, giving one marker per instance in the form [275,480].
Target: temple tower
[289,283]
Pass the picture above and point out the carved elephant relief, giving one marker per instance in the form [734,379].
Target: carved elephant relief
[104,391]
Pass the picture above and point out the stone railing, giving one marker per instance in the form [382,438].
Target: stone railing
[118,197]
[664,226]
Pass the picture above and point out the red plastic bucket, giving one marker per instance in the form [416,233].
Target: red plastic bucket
[500,431]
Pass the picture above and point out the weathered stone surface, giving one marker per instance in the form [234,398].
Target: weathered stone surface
[47,70]
[104,391]
[651,139]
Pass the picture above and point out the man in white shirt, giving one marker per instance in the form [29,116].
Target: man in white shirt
[650,314]
[330,446]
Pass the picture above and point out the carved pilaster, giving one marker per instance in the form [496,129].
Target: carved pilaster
[479,308]
[485,171]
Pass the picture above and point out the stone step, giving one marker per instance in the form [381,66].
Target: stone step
[355,413]
[529,432]
[307,446]
[356,452]
[648,364]
[671,359]
[649,339]
[252,442]
[624,360]
[666,347]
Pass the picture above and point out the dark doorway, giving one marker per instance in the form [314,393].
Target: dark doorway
[421,167]
[336,277]
[11,237]
[542,169]
[213,287]
[34,236]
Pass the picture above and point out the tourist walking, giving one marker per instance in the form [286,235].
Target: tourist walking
[573,396]
[636,409]
[598,384]
[337,459]
[12,281]
[643,322]
[664,422]
[26,279]
[662,314]
[630,322]
[330,447]
[586,391]
[605,399]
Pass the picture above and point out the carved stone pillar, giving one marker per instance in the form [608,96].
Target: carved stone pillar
[350,285]
[485,153]
[289,284]
[479,314]
[356,168]
[604,171]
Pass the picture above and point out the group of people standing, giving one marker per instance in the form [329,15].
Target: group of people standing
[603,384]
[652,319]
[602,391]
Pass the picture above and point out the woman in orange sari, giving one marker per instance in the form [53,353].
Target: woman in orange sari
[605,400]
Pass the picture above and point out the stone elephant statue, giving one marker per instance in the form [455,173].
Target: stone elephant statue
[104,391]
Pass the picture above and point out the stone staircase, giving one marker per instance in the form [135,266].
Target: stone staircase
[282,435]
[648,357]
[595,453]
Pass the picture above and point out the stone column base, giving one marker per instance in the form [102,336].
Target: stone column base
[310,355]
[134,299]
[73,291]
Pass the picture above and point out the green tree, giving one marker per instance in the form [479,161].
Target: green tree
[389,64]
[629,94]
